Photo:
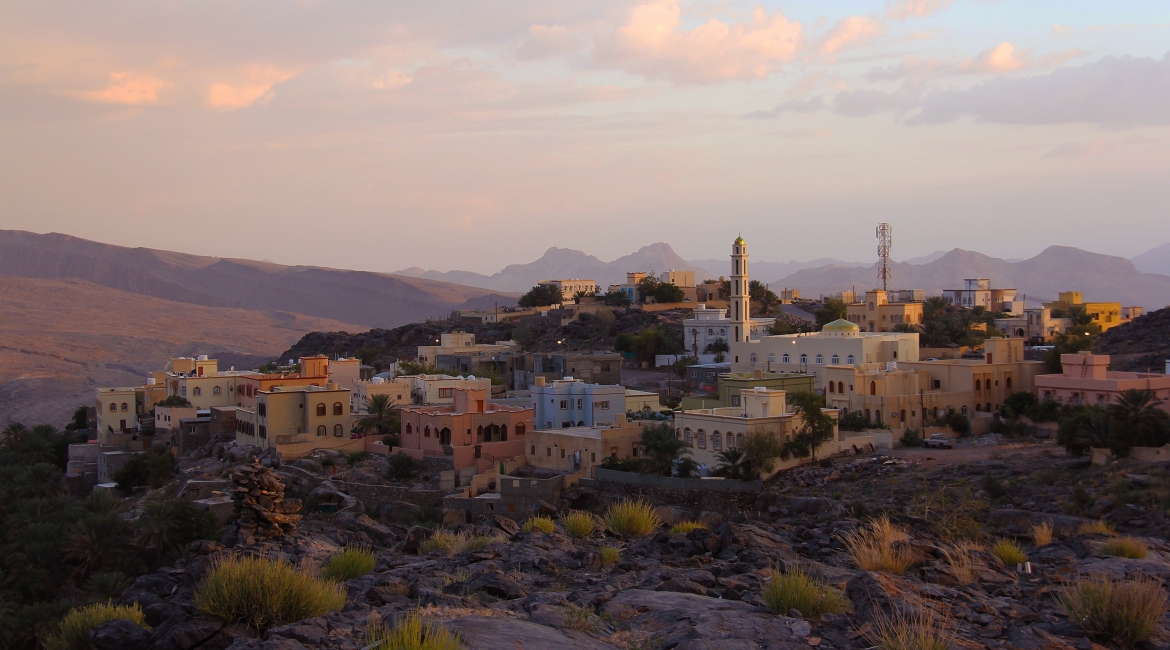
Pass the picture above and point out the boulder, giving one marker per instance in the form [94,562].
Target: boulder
[498,585]
[696,622]
[710,520]
[671,515]
[492,633]
[415,537]
[119,634]
[506,525]
[808,505]
[396,512]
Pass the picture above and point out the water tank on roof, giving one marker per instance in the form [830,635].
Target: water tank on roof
[203,357]
[470,377]
[150,381]
[378,380]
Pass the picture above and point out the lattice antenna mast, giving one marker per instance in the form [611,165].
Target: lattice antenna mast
[885,239]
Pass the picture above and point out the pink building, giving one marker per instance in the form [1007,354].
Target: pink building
[1087,380]
[474,432]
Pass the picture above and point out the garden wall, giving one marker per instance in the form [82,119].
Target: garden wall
[695,494]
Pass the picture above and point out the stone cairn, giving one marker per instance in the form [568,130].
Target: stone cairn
[262,512]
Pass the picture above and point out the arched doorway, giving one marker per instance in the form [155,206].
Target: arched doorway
[445,436]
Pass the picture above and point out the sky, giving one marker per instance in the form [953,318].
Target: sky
[472,135]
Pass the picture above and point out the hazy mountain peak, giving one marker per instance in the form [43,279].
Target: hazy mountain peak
[1155,260]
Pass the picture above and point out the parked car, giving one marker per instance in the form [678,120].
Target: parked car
[940,440]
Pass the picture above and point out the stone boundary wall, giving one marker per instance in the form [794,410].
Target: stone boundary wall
[694,494]
[373,497]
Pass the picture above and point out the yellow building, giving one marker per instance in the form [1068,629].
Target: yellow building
[1105,314]
[878,314]
[463,343]
[579,449]
[297,419]
[899,397]
[989,380]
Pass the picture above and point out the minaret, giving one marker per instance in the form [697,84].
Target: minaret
[740,311]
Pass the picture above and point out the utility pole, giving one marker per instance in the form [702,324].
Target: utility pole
[885,241]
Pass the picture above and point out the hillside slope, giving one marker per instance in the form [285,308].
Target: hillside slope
[364,298]
[1141,345]
[61,339]
[1155,260]
[1056,269]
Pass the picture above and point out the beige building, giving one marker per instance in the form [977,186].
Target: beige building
[578,449]
[440,389]
[1086,379]
[977,292]
[1036,325]
[839,342]
[878,314]
[570,288]
[118,410]
[885,393]
[463,343]
[296,419]
[1001,372]
[397,389]
[710,431]
[1105,314]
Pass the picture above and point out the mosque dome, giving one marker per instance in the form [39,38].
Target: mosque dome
[840,325]
[739,240]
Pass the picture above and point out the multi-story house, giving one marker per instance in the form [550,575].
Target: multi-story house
[878,314]
[573,403]
[471,431]
[296,419]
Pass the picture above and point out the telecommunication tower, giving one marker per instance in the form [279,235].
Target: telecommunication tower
[885,241]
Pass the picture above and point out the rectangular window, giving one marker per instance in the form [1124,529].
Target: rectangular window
[562,453]
[548,451]
[533,452]
[735,400]
[593,457]
[604,405]
[564,405]
[446,392]
[578,403]
[937,384]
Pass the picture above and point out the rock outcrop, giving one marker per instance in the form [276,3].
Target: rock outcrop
[262,512]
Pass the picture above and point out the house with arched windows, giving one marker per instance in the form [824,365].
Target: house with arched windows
[472,431]
[298,419]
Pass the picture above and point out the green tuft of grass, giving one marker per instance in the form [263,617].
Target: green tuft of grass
[610,555]
[454,543]
[578,523]
[1123,612]
[410,633]
[264,592]
[72,631]
[1008,551]
[1128,547]
[684,527]
[353,562]
[795,589]
[631,518]
[539,524]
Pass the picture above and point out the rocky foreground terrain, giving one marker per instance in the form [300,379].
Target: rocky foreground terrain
[702,589]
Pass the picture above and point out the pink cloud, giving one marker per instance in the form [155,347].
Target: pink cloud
[904,9]
[848,31]
[130,88]
[1001,58]
[651,43]
[252,84]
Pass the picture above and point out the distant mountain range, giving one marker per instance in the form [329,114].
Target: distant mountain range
[1156,260]
[358,297]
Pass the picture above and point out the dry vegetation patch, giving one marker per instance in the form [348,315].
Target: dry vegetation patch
[878,547]
[1118,611]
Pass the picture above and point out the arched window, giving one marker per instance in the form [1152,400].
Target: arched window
[1047,394]
[878,415]
[1101,399]
[479,434]
[503,433]
[978,407]
[753,357]
[710,332]
[337,408]
[902,415]
[786,359]
[198,391]
[723,331]
[113,407]
[125,406]
[840,387]
[687,437]
[934,412]
[739,440]
[820,359]
[717,441]
[320,409]
[702,439]
[216,391]
[849,360]
[337,431]
[321,431]
[804,359]
[832,387]
[978,385]
[964,410]
[730,440]
[771,358]
[519,428]
[873,388]
[408,428]
[836,359]
[867,414]
[987,407]
[427,431]
[1076,400]
[1008,383]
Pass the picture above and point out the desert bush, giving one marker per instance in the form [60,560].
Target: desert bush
[684,527]
[400,466]
[453,543]
[410,633]
[581,619]
[924,630]
[610,555]
[538,524]
[631,518]
[960,556]
[1041,533]
[954,512]
[425,516]
[578,523]
[263,592]
[795,589]
[1008,551]
[912,438]
[72,631]
[876,548]
[1099,527]
[1120,611]
[355,457]
[353,562]
[1134,549]
[993,486]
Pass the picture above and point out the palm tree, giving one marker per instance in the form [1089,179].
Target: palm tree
[661,446]
[733,464]
[934,307]
[380,417]
[935,335]
[1138,420]
[906,328]
[95,542]
[686,468]
[157,527]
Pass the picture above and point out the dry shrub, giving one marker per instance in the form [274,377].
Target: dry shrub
[580,619]
[353,562]
[410,633]
[610,555]
[1128,547]
[635,640]
[954,512]
[1041,533]
[454,543]
[1120,611]
[578,523]
[632,518]
[795,589]
[541,524]
[72,632]
[1099,527]
[684,527]
[960,556]
[263,592]
[924,630]
[1008,551]
[876,548]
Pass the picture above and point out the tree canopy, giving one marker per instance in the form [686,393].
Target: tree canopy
[541,295]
